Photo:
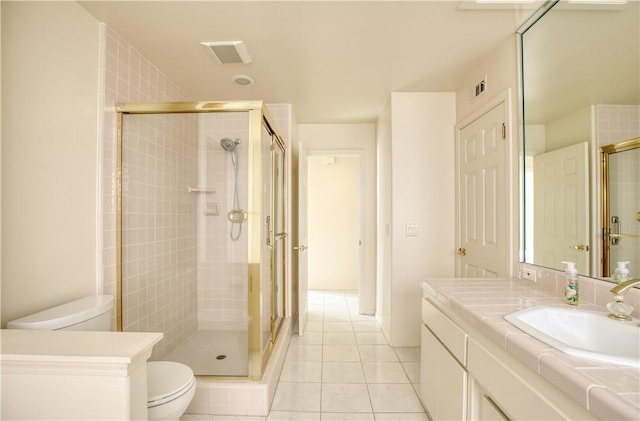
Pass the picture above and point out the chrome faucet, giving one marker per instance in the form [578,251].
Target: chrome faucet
[620,310]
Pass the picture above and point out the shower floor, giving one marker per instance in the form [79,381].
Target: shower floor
[199,351]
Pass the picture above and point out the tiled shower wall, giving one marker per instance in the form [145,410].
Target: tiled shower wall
[222,262]
[624,187]
[617,123]
[159,255]
[159,286]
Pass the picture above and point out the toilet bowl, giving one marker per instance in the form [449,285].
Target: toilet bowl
[170,386]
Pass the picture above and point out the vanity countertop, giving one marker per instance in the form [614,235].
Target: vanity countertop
[609,391]
[68,346]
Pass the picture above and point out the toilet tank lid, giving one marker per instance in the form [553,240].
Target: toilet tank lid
[65,315]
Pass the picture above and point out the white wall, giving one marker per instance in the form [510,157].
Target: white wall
[568,130]
[333,222]
[423,187]
[354,137]
[292,196]
[383,182]
[50,80]
[501,70]
[535,139]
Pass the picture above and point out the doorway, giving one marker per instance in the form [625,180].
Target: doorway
[331,223]
[333,206]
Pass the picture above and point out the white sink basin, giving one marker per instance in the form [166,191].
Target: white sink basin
[583,333]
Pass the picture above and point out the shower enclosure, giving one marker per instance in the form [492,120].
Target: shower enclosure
[200,232]
[620,204]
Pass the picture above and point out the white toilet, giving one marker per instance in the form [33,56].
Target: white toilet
[171,386]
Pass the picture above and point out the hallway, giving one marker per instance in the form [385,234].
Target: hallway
[343,369]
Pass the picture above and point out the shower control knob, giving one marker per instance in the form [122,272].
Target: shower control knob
[237,216]
[300,248]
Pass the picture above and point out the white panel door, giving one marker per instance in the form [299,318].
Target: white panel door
[561,207]
[303,260]
[482,208]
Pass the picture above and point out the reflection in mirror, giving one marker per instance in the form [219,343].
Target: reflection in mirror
[621,206]
[580,91]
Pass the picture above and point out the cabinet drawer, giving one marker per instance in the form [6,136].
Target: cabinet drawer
[518,399]
[452,336]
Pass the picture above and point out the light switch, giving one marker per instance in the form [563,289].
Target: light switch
[412,230]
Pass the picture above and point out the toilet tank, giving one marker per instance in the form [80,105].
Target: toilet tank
[88,313]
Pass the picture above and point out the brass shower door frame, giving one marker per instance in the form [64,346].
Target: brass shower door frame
[259,117]
[277,240]
[605,152]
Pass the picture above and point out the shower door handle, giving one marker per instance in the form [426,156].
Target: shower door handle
[580,247]
[300,248]
[615,237]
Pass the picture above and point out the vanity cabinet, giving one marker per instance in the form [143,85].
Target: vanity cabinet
[443,377]
[443,381]
[466,376]
[482,406]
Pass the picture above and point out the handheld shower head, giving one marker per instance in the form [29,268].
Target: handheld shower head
[228,144]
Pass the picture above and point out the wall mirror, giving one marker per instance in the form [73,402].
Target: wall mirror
[580,91]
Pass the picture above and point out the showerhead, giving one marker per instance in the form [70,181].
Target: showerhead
[228,144]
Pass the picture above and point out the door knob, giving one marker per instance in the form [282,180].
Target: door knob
[462,252]
[301,248]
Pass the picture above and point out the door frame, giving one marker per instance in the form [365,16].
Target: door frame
[302,205]
[512,166]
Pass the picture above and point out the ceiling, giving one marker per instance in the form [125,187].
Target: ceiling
[334,61]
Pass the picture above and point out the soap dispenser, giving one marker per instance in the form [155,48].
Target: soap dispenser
[622,273]
[571,295]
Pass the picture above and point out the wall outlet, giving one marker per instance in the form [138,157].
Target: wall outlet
[528,273]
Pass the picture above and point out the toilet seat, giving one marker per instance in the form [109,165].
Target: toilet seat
[167,381]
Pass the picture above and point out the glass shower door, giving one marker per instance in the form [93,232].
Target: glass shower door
[273,287]
[280,236]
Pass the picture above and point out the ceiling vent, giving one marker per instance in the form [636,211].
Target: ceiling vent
[228,52]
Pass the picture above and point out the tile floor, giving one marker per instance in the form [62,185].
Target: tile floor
[343,369]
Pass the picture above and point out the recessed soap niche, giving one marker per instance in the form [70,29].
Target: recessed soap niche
[211,209]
